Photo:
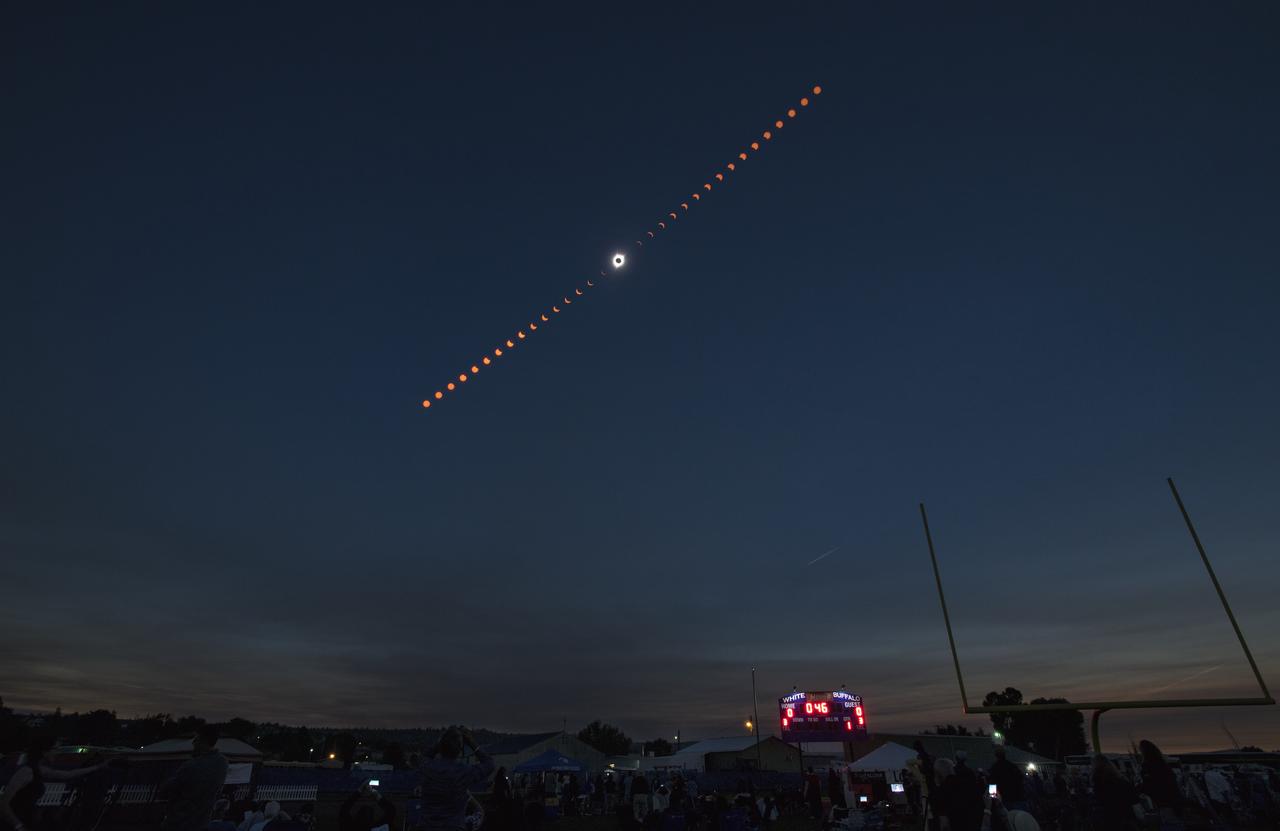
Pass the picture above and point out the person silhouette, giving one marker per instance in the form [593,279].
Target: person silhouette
[193,789]
[447,780]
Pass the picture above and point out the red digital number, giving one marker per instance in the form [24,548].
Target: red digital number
[791,713]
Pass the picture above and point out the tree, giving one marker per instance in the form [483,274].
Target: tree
[56,724]
[147,730]
[344,744]
[658,747]
[393,755]
[240,728]
[1249,748]
[188,725]
[97,727]
[1003,722]
[1053,733]
[606,738]
[13,730]
[287,744]
[300,745]
[949,730]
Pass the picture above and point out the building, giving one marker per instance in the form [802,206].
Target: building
[168,750]
[513,750]
[165,756]
[979,751]
[626,763]
[735,753]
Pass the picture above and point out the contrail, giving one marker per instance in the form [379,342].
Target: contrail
[821,556]
[1188,678]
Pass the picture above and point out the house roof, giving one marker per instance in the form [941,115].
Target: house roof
[515,744]
[980,750]
[549,760]
[889,756]
[227,746]
[729,744]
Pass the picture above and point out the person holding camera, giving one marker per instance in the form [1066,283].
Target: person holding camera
[365,810]
[447,780]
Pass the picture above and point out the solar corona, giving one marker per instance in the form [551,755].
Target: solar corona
[670,218]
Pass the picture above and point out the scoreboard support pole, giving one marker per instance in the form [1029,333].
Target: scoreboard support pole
[755,708]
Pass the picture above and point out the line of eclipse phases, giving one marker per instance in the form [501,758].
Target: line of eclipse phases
[618,260]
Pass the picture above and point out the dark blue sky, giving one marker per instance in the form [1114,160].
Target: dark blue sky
[1018,267]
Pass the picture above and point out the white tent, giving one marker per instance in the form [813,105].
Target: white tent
[889,757]
[168,749]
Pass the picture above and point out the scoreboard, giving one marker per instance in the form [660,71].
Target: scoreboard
[837,716]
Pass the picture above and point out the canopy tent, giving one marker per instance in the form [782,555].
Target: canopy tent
[170,749]
[550,760]
[889,757]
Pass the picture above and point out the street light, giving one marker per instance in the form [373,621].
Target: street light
[748,725]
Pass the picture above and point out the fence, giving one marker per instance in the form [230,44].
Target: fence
[56,794]
[132,794]
[60,795]
[286,793]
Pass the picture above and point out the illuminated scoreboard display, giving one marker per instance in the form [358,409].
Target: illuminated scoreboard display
[822,717]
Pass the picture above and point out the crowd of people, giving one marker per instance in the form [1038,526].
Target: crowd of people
[1224,796]
[943,794]
[193,801]
[259,817]
[951,796]
[656,800]
[570,793]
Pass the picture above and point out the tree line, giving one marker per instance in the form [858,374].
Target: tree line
[611,741]
[402,748]
[1054,734]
